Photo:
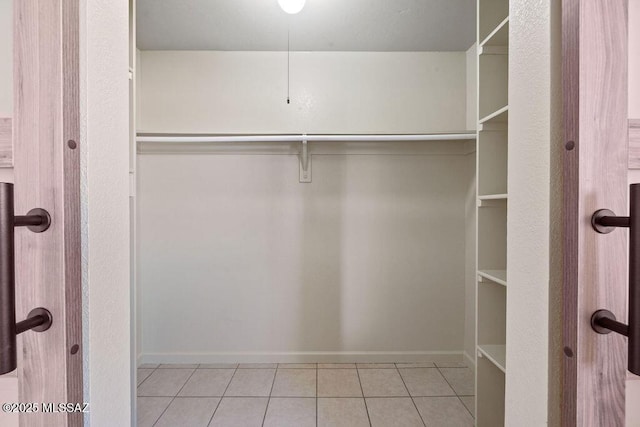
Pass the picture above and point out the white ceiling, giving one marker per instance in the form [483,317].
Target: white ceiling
[323,25]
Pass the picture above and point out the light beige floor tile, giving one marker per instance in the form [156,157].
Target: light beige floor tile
[251,382]
[336,365]
[443,412]
[451,365]
[393,412]
[240,412]
[297,366]
[207,382]
[178,366]
[376,365]
[461,379]
[218,365]
[338,383]
[189,411]
[150,409]
[342,412]
[416,365]
[295,383]
[426,382]
[257,366]
[291,412]
[143,374]
[470,403]
[164,382]
[149,366]
[382,383]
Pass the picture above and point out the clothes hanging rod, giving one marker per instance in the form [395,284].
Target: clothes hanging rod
[310,138]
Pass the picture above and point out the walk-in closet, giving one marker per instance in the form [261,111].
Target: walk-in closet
[319,212]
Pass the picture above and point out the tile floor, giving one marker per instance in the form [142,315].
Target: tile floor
[306,394]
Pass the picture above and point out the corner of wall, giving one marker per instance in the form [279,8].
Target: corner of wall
[472,87]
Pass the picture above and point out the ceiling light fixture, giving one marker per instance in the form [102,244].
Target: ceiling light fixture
[291,6]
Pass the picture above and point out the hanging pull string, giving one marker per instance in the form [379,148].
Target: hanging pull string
[288,57]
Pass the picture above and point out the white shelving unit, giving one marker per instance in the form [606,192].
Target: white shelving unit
[492,194]
[496,276]
[495,353]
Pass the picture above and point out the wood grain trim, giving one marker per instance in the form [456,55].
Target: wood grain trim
[47,175]
[634,143]
[595,176]
[571,90]
[6,143]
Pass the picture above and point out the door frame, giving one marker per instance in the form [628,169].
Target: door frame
[595,176]
[71,151]
[46,139]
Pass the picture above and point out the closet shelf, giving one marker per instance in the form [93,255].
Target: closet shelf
[499,116]
[492,200]
[496,353]
[499,36]
[494,197]
[160,138]
[497,276]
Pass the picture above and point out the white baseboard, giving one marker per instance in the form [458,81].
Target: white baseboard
[470,361]
[304,357]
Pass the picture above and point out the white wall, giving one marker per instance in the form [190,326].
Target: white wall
[236,256]
[533,129]
[105,198]
[472,87]
[331,92]
[370,257]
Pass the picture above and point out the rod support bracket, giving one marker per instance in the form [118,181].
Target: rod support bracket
[605,221]
[305,161]
[604,322]
[38,320]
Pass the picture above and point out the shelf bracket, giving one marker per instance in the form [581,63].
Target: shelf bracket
[305,161]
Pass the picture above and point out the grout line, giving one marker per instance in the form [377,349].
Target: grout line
[153,370]
[223,393]
[214,412]
[173,398]
[306,397]
[366,408]
[176,395]
[138,386]
[410,396]
[445,378]
[275,374]
[465,406]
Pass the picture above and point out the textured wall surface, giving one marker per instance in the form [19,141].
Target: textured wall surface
[531,134]
[105,184]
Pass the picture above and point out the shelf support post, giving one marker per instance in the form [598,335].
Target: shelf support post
[305,161]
